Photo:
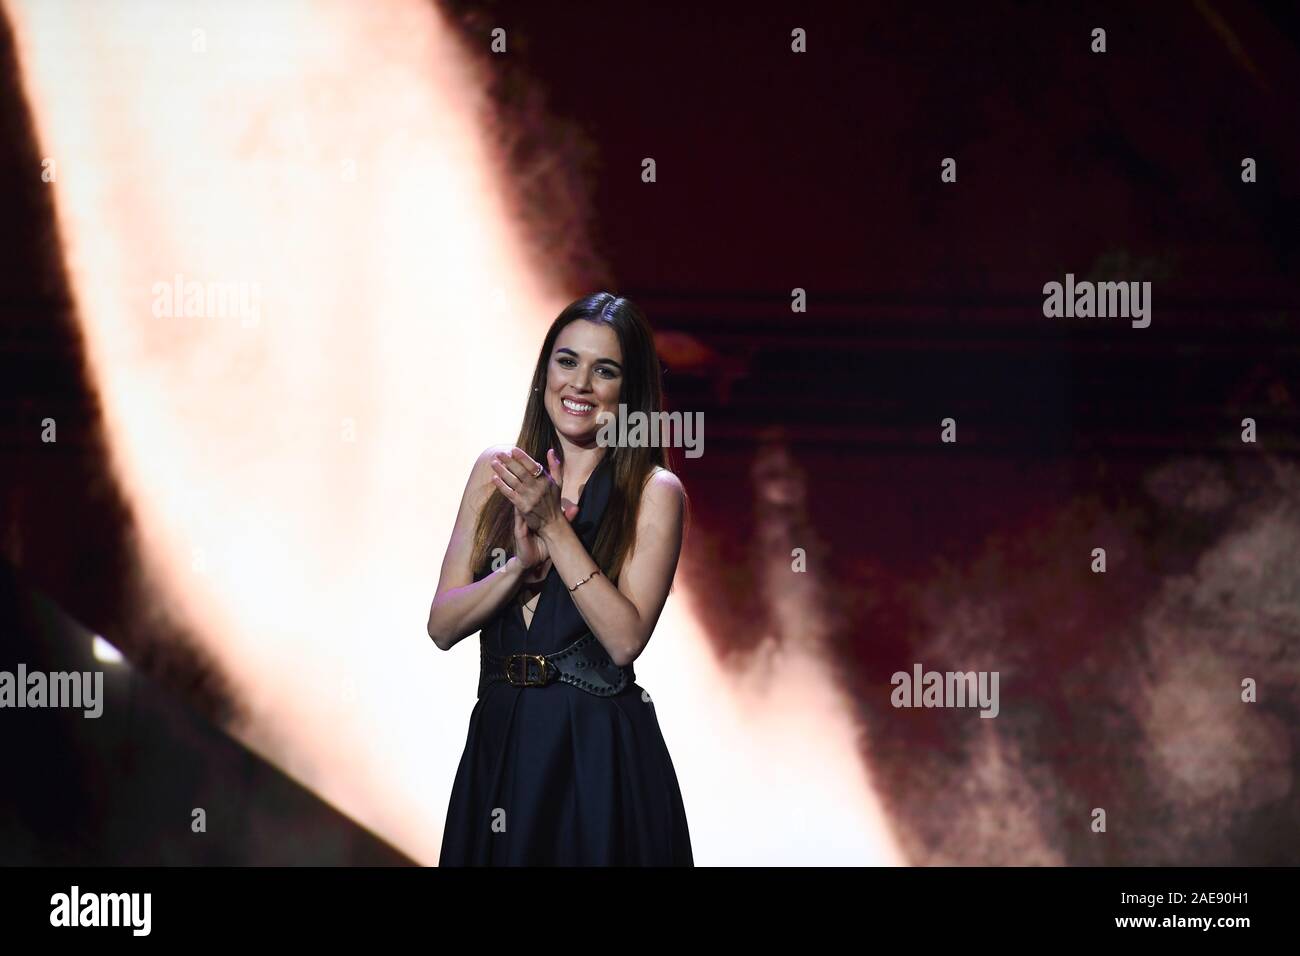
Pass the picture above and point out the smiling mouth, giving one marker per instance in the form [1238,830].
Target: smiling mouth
[577,408]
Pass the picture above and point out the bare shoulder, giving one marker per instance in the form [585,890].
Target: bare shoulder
[661,476]
[457,564]
[484,463]
[663,491]
[479,487]
[490,450]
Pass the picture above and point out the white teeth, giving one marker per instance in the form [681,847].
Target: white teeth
[577,407]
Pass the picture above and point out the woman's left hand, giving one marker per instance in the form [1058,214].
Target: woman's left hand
[536,499]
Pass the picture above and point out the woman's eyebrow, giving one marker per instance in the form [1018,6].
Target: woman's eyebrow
[610,361]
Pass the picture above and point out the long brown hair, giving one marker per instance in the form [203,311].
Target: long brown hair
[641,390]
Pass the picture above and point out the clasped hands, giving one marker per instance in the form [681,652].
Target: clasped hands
[538,505]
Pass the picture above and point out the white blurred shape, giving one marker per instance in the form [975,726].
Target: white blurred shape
[104,651]
[295,478]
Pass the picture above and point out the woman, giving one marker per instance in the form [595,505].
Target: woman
[564,762]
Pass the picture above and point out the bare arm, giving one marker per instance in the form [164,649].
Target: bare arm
[624,617]
[461,605]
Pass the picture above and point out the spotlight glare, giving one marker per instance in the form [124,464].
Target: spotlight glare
[105,651]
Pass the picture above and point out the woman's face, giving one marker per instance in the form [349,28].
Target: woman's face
[584,376]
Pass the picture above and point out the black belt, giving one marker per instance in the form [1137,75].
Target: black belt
[584,664]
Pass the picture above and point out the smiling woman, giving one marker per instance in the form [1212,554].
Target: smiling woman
[565,763]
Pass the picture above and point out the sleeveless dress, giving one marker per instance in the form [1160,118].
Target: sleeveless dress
[555,776]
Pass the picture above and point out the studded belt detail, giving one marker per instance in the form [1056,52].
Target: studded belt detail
[585,664]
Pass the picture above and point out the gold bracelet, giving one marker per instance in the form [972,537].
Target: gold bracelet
[585,580]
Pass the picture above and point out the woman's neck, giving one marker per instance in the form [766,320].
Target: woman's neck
[580,463]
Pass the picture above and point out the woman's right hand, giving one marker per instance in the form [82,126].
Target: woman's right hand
[531,549]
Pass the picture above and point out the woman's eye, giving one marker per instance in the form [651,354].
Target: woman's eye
[566,362]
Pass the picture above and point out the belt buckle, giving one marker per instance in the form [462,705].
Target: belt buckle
[542,663]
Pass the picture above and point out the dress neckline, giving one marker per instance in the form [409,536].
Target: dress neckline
[546,582]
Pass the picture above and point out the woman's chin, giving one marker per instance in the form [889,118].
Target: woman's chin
[578,434]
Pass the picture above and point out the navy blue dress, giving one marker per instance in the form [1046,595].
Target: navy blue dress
[554,775]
